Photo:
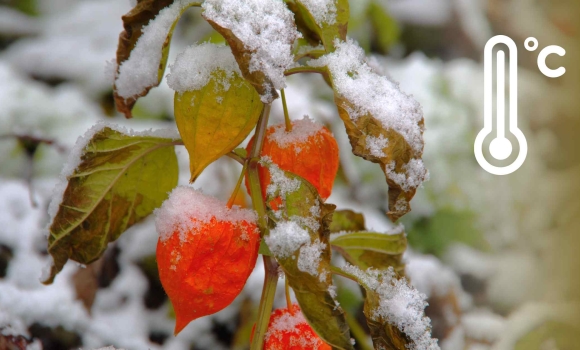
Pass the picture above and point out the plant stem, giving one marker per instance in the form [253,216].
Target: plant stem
[270,264]
[238,184]
[286,116]
[237,158]
[287,291]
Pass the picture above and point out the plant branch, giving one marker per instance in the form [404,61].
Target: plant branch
[340,272]
[270,264]
[237,158]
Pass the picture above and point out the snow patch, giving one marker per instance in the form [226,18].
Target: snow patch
[302,130]
[187,210]
[286,238]
[323,11]
[370,93]
[194,67]
[141,69]
[309,257]
[267,30]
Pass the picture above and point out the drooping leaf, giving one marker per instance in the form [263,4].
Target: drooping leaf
[120,180]
[371,249]
[303,206]
[397,153]
[394,309]
[134,22]
[384,125]
[213,121]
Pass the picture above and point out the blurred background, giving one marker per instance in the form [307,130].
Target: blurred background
[497,256]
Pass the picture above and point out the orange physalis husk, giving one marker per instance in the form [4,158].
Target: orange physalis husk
[309,150]
[290,331]
[205,253]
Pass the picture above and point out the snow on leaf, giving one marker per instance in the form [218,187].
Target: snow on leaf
[384,125]
[304,254]
[118,181]
[143,48]
[215,118]
[260,34]
[395,311]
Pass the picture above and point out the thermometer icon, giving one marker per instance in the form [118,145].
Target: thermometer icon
[500,147]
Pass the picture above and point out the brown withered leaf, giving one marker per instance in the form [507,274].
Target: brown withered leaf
[383,334]
[397,150]
[243,55]
[134,22]
[312,291]
[120,180]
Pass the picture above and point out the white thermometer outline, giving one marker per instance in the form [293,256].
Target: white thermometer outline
[500,147]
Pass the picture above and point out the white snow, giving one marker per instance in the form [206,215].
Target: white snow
[376,145]
[141,69]
[286,238]
[310,257]
[302,130]
[279,182]
[187,210]
[399,303]
[414,175]
[194,67]
[323,11]
[267,30]
[369,93]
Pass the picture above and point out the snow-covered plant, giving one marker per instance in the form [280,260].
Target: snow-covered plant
[207,248]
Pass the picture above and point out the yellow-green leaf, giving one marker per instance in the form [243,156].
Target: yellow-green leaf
[119,181]
[134,22]
[213,121]
[312,290]
[370,249]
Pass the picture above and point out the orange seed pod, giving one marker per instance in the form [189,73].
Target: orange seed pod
[290,331]
[308,150]
[205,253]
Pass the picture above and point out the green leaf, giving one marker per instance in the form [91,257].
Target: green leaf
[120,180]
[212,121]
[312,291]
[134,22]
[370,249]
[347,220]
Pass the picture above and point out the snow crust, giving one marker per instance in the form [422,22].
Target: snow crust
[194,67]
[141,69]
[400,304]
[302,130]
[370,93]
[187,209]
[323,11]
[266,29]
